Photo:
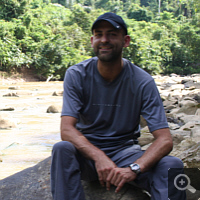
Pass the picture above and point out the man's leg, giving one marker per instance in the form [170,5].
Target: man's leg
[155,181]
[67,168]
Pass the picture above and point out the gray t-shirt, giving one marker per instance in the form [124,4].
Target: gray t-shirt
[108,113]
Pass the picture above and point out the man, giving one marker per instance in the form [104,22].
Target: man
[102,103]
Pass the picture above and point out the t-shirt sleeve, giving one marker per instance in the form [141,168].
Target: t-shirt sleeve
[71,95]
[152,107]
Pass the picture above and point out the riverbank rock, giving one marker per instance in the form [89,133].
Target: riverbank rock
[34,184]
[54,109]
[7,109]
[6,121]
[57,93]
[10,94]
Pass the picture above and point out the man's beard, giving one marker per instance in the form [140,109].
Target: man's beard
[112,56]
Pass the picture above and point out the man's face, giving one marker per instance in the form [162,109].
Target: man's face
[108,42]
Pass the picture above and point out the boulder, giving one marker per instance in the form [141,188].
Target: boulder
[57,93]
[146,137]
[12,94]
[7,109]
[14,88]
[188,106]
[188,151]
[197,112]
[191,157]
[6,121]
[34,184]
[54,109]
[177,87]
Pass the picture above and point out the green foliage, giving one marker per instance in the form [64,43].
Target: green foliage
[138,13]
[12,8]
[49,36]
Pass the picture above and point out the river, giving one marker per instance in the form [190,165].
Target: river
[36,132]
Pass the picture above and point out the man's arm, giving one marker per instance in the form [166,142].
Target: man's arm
[162,146]
[159,148]
[69,133]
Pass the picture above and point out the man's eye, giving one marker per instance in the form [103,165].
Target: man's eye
[113,34]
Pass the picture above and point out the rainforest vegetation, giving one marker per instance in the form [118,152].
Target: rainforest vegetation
[48,36]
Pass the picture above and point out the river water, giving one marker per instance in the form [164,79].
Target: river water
[36,132]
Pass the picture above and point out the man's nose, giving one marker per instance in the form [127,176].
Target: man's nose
[104,38]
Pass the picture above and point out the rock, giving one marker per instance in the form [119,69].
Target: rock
[177,138]
[188,107]
[94,191]
[185,134]
[143,122]
[180,149]
[186,81]
[170,102]
[7,109]
[57,93]
[10,95]
[173,75]
[189,83]
[177,87]
[197,112]
[173,126]
[30,184]
[34,184]
[14,88]
[146,137]
[191,157]
[195,75]
[197,97]
[54,109]
[6,121]
[189,118]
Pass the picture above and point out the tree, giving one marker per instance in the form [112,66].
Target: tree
[12,8]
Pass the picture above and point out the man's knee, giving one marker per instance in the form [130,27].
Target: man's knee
[171,162]
[63,146]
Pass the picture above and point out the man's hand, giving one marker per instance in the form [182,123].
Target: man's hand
[104,165]
[109,173]
[119,176]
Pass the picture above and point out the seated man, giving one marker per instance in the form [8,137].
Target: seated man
[102,102]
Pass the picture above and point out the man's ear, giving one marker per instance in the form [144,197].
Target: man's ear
[127,40]
[91,39]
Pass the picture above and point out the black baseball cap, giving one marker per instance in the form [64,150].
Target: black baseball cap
[114,19]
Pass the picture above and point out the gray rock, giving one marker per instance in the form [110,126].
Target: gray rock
[30,184]
[185,134]
[188,107]
[189,118]
[177,138]
[146,137]
[191,157]
[188,151]
[10,95]
[197,112]
[54,109]
[143,122]
[6,121]
[34,184]
[7,109]
[94,191]
[173,126]
[14,88]
[57,93]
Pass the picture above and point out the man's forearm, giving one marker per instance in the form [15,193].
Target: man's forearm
[81,143]
[159,148]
